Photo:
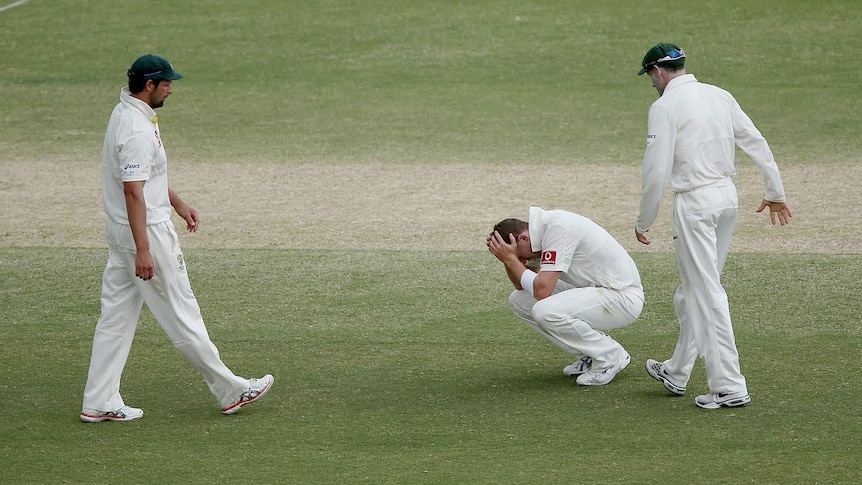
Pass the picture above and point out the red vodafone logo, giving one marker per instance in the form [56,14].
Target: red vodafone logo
[549,257]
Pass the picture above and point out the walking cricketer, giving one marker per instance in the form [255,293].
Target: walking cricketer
[693,131]
[145,262]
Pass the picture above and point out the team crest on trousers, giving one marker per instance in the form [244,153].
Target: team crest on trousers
[181,263]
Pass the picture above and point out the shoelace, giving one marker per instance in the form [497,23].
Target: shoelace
[248,395]
[659,369]
[119,413]
[583,364]
[600,372]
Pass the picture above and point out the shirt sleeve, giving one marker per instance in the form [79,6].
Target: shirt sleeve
[135,156]
[558,247]
[751,141]
[657,164]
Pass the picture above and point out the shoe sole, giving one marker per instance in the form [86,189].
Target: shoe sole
[94,419]
[737,402]
[238,406]
[671,387]
[574,374]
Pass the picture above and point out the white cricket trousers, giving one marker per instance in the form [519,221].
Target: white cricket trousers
[703,223]
[170,298]
[575,319]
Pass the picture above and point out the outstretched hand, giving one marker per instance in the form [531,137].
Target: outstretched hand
[777,209]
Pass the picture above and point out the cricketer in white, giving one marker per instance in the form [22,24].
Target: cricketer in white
[145,262]
[587,284]
[693,131]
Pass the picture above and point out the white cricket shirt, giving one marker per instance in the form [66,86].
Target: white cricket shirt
[133,151]
[693,132]
[583,251]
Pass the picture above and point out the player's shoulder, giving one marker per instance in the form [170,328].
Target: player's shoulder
[562,215]
[125,114]
[715,89]
[573,221]
[130,118]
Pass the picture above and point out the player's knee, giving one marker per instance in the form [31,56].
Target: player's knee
[521,301]
[543,314]
[517,297]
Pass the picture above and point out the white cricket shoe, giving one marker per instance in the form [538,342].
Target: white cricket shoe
[603,376]
[715,400]
[257,388]
[125,413]
[657,371]
[578,367]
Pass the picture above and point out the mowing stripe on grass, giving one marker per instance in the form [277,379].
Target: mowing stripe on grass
[13,5]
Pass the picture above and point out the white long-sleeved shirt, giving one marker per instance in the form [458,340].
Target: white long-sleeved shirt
[693,130]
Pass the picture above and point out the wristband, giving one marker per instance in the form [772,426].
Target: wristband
[527,278]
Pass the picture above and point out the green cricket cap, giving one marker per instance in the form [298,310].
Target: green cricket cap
[153,67]
[662,55]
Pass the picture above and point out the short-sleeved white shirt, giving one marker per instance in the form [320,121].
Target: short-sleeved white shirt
[133,151]
[583,251]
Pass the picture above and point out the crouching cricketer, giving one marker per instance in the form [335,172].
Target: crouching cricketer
[586,285]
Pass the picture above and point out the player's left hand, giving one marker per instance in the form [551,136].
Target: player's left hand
[501,249]
[190,215]
[777,209]
[641,237]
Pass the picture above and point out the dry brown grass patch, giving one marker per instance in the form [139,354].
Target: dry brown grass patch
[416,206]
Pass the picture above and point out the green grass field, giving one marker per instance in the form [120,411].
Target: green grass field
[407,366]
[387,379]
[499,81]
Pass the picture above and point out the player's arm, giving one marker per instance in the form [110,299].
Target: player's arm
[187,212]
[514,275]
[657,162]
[544,284]
[752,142]
[507,253]
[539,285]
[531,265]
[136,209]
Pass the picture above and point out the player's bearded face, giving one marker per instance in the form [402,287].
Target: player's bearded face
[159,94]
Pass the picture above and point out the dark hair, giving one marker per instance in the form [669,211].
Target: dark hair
[673,68]
[511,226]
[138,83]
